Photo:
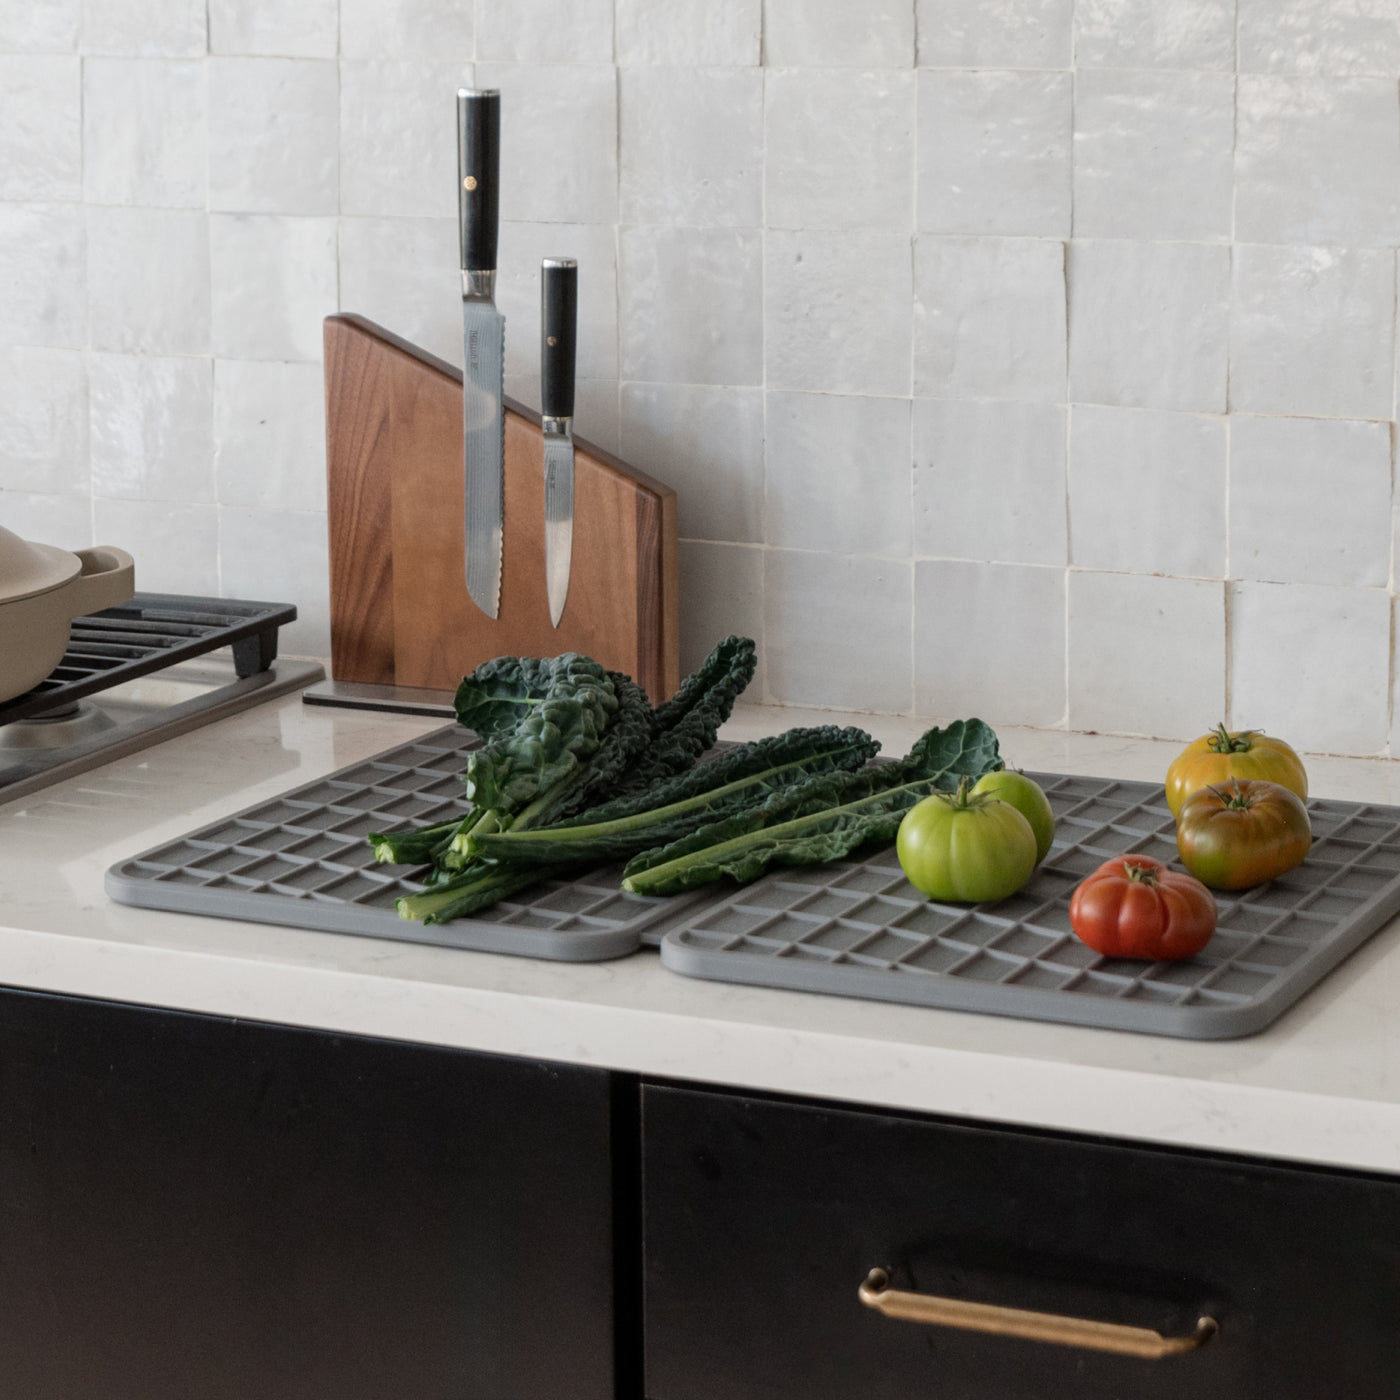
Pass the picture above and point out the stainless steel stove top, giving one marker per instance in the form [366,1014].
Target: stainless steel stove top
[144,671]
[35,752]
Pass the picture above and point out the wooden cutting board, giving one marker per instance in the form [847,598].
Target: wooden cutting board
[400,611]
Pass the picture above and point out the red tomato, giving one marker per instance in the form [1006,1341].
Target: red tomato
[1136,907]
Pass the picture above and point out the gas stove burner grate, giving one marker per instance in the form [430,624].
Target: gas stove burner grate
[149,633]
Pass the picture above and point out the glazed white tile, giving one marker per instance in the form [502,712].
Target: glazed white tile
[545,31]
[273,145]
[1309,36]
[839,150]
[1164,471]
[994,153]
[836,474]
[273,279]
[596,413]
[691,305]
[836,630]
[1194,34]
[43,421]
[388,29]
[398,137]
[594,247]
[1146,654]
[721,588]
[39,26]
[691,146]
[152,427]
[1148,324]
[1310,500]
[269,435]
[1328,696]
[148,280]
[838,33]
[702,32]
[43,275]
[994,33]
[706,443]
[164,28]
[64,520]
[144,132]
[595,407]
[989,640]
[1317,160]
[989,481]
[989,318]
[405,274]
[41,137]
[836,312]
[558,141]
[1312,331]
[306,29]
[280,555]
[175,544]
[1153,154]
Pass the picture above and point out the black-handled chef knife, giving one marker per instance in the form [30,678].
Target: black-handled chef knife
[484,336]
[558,336]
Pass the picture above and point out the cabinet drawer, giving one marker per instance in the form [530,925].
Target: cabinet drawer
[763,1217]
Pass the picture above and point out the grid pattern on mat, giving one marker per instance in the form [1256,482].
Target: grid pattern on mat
[302,859]
[858,928]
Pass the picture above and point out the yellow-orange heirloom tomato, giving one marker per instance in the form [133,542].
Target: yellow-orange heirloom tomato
[1220,755]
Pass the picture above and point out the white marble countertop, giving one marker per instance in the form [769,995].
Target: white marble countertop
[1321,1085]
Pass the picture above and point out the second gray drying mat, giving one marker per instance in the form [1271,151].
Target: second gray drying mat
[302,859]
[858,928]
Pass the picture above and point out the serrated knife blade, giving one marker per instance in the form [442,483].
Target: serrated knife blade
[558,336]
[483,343]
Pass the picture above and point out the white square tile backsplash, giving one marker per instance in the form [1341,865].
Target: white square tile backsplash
[41,137]
[1006,355]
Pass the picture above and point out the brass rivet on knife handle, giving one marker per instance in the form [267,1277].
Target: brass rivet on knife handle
[1083,1332]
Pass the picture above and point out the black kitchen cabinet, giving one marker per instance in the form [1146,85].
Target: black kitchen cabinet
[762,1217]
[194,1208]
[197,1208]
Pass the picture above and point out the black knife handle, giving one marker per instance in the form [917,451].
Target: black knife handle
[478,176]
[558,336]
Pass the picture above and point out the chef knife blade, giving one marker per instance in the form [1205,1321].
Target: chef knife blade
[484,333]
[558,334]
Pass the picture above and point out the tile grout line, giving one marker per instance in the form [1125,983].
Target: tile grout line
[913,379]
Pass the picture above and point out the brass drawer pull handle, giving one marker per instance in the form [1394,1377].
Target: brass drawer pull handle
[876,1293]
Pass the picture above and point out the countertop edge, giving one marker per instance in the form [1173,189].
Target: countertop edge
[1251,1120]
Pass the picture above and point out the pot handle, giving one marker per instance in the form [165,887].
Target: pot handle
[108,578]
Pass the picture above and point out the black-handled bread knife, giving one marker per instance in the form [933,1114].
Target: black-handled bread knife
[558,338]
[484,336]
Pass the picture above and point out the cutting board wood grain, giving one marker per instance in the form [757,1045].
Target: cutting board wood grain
[400,611]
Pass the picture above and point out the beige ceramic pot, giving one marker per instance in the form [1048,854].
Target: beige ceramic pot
[42,589]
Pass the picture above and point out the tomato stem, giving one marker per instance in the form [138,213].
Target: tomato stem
[1222,741]
[1238,800]
[1140,874]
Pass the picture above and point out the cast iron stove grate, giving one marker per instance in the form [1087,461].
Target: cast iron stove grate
[149,633]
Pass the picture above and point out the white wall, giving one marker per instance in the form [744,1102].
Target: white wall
[1027,358]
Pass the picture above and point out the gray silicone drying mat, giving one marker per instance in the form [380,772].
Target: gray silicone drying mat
[857,928]
[301,859]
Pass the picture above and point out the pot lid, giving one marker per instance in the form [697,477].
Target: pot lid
[27,568]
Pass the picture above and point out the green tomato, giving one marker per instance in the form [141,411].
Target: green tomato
[1028,798]
[972,849]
